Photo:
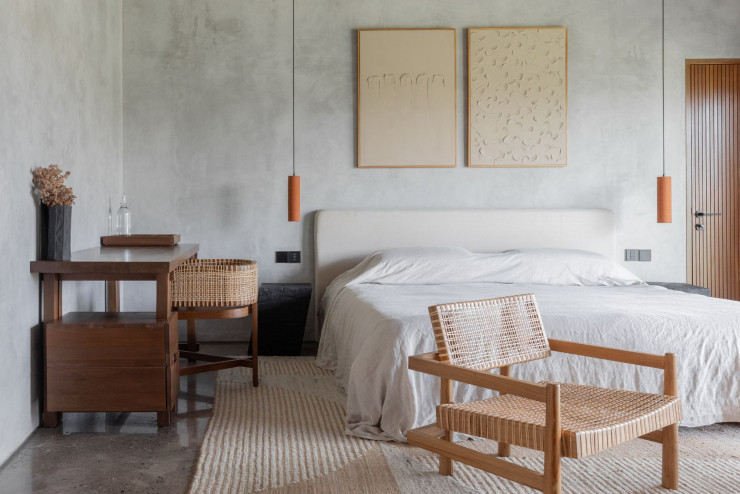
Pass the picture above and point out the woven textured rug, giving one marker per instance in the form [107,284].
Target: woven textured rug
[286,436]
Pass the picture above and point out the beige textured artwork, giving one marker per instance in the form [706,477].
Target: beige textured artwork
[406,98]
[517,96]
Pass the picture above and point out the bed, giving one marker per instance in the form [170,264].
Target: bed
[375,315]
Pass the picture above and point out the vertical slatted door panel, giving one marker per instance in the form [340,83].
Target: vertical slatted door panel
[712,90]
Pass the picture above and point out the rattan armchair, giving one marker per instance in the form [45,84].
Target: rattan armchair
[560,419]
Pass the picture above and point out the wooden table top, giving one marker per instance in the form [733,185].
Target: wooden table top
[120,260]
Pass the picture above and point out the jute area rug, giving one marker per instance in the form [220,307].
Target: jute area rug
[287,436]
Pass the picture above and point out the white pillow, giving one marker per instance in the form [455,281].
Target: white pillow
[447,265]
[414,266]
[562,267]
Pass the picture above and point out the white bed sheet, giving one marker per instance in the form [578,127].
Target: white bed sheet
[372,329]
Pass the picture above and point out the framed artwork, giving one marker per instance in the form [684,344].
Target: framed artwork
[517,97]
[406,85]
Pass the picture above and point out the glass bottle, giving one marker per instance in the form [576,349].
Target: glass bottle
[110,217]
[124,218]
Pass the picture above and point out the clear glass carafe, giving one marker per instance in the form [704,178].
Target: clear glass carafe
[124,218]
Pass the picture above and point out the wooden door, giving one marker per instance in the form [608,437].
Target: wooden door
[713,177]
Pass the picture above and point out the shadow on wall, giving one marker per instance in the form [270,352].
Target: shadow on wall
[37,369]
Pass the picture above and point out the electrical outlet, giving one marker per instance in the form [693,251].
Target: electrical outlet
[644,255]
[288,256]
[631,255]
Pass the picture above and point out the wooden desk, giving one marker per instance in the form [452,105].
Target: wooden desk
[112,264]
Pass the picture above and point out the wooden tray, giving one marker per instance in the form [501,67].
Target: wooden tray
[141,240]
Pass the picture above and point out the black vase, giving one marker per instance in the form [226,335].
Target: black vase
[58,243]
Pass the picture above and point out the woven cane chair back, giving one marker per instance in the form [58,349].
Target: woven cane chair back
[485,334]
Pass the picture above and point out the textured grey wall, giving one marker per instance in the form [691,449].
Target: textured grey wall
[207,134]
[60,102]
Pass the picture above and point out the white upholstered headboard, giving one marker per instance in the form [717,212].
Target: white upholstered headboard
[344,237]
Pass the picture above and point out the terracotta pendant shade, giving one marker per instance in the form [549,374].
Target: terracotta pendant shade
[294,198]
[665,209]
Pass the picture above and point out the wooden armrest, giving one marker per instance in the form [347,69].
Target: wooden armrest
[666,362]
[606,353]
[429,364]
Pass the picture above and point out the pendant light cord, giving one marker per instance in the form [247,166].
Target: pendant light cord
[293,99]
[662,72]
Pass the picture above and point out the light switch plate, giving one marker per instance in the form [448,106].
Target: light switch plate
[631,254]
[288,256]
[645,255]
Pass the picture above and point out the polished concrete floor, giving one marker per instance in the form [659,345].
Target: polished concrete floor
[119,452]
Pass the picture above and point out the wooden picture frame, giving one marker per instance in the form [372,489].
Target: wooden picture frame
[518,97]
[406,98]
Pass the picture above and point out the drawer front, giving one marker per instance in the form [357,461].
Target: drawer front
[106,389]
[105,346]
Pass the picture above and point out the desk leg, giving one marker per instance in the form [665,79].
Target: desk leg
[114,296]
[255,333]
[52,310]
[164,300]
[164,309]
[163,418]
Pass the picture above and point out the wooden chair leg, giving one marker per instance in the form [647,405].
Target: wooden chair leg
[192,338]
[670,456]
[552,440]
[445,463]
[504,449]
[670,433]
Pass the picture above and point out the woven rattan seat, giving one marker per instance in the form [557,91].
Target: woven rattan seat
[593,419]
[215,289]
[561,419]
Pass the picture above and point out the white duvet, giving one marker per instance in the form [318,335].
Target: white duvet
[376,317]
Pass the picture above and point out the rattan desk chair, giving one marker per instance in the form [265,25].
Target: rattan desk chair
[215,289]
[560,419]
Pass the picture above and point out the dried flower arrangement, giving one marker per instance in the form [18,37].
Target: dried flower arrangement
[49,185]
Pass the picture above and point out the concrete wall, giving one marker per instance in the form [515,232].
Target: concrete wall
[208,136]
[60,102]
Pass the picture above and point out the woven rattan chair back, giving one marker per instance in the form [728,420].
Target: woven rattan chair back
[485,334]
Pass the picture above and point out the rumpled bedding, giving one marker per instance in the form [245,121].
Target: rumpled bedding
[376,317]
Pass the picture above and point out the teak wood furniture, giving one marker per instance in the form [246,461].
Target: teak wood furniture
[216,289]
[141,240]
[111,361]
[560,419]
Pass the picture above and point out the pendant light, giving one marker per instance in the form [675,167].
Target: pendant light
[664,183]
[294,181]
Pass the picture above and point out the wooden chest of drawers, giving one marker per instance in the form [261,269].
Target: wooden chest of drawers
[112,362]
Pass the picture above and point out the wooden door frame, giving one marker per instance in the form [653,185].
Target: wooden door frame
[689,182]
